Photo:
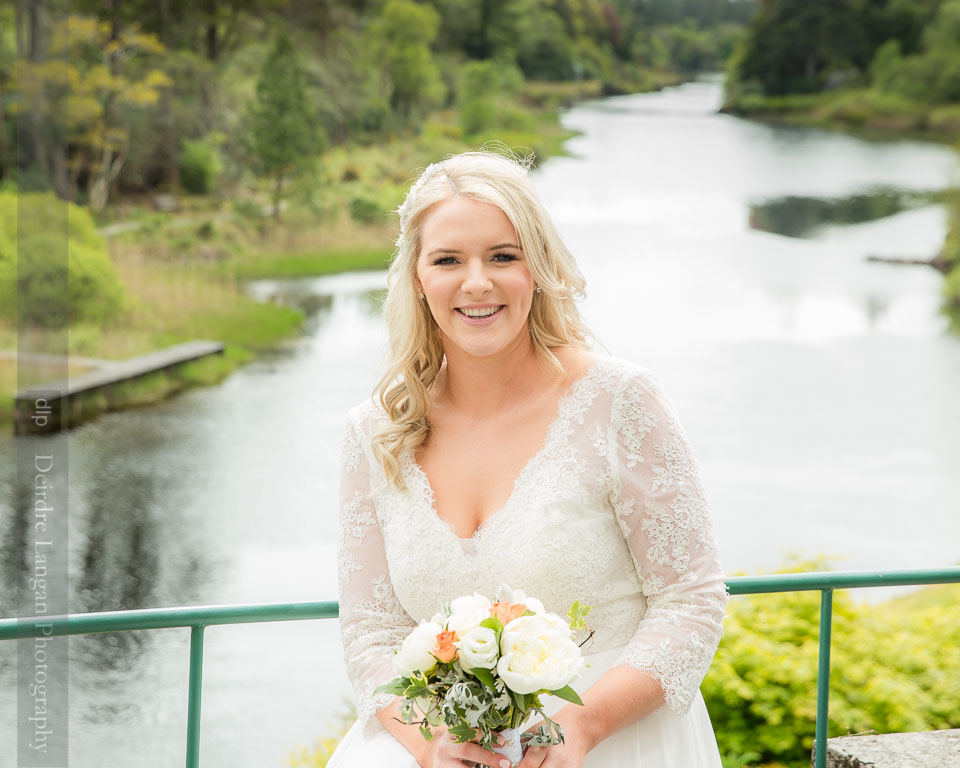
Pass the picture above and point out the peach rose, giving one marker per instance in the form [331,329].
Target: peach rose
[507,612]
[443,648]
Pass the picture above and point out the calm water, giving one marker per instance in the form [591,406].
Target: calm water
[819,391]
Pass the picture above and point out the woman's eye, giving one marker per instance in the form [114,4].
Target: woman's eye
[501,258]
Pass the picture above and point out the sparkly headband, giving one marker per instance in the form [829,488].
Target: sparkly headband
[403,210]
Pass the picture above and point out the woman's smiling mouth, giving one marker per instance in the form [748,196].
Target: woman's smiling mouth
[480,316]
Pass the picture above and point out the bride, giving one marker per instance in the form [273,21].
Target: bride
[501,449]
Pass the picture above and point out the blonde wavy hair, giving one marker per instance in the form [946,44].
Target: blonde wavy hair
[415,347]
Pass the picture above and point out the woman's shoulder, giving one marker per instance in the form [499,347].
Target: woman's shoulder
[620,373]
[366,414]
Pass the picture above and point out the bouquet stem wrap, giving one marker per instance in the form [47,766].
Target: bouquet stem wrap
[511,749]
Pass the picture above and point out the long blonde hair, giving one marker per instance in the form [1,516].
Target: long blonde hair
[415,346]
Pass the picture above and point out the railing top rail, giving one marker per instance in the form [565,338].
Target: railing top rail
[798,582]
[209,615]
[163,618]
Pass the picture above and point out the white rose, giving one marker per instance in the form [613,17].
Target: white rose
[467,612]
[414,654]
[478,648]
[538,653]
[515,596]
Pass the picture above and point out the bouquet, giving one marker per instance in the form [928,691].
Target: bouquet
[480,668]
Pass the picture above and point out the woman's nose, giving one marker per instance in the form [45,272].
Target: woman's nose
[476,280]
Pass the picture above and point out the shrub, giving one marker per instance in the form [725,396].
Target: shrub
[946,119]
[199,165]
[892,669]
[32,266]
[364,209]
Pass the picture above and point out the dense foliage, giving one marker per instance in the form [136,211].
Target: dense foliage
[892,58]
[895,666]
[148,84]
[58,262]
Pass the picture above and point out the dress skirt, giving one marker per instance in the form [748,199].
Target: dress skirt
[659,740]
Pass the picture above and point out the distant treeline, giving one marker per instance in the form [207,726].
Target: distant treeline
[908,49]
[139,96]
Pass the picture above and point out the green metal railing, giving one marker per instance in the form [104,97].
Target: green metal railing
[200,617]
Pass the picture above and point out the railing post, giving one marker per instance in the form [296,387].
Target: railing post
[823,679]
[193,701]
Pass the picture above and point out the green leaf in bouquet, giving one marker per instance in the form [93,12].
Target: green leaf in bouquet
[493,623]
[463,732]
[396,686]
[520,701]
[418,685]
[546,735]
[426,732]
[485,676]
[568,694]
[417,689]
[576,614]
[407,713]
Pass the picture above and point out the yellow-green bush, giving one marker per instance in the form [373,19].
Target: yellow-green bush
[46,239]
[893,668]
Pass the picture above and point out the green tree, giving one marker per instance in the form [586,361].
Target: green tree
[84,96]
[283,130]
[405,32]
[793,45]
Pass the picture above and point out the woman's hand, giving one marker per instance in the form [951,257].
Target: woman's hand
[570,754]
[443,752]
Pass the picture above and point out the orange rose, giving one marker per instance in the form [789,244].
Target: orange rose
[507,612]
[443,648]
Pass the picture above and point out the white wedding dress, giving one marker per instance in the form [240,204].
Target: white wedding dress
[609,512]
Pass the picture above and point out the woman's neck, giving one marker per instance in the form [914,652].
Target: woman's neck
[485,385]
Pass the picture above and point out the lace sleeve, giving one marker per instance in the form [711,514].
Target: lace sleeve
[660,507]
[372,621]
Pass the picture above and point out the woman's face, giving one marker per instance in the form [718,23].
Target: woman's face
[470,262]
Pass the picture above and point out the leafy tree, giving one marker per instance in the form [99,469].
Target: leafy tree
[792,45]
[545,50]
[405,32]
[483,91]
[933,74]
[283,132]
[84,95]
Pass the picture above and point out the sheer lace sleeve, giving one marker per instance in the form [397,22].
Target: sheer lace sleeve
[372,621]
[660,507]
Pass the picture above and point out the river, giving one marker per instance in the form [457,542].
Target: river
[729,257]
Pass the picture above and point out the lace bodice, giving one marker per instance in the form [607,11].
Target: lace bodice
[610,512]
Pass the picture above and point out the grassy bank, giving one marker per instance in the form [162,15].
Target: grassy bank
[866,112]
[950,255]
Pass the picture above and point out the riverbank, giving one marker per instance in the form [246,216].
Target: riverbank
[867,113]
[184,272]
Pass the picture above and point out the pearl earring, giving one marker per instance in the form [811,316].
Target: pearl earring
[421,295]
[539,289]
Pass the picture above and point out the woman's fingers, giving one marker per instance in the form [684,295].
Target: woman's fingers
[533,757]
[474,753]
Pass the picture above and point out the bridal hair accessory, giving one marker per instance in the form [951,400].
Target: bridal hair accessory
[403,210]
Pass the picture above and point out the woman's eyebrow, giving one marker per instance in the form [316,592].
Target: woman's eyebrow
[491,248]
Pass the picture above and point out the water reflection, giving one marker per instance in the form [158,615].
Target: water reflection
[799,216]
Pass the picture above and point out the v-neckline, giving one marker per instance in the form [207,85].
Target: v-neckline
[431,496]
